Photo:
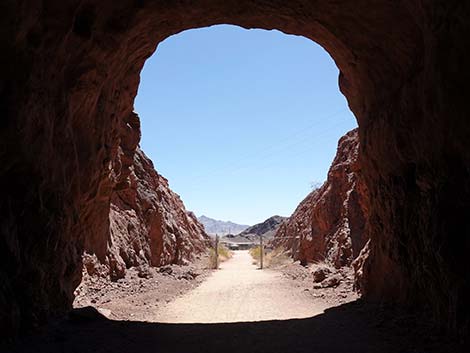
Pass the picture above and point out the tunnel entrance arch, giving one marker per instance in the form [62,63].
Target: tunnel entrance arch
[224,106]
[69,134]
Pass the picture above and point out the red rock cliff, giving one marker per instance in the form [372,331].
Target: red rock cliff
[329,223]
[149,225]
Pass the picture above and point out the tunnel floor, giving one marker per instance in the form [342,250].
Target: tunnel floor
[352,327]
[235,309]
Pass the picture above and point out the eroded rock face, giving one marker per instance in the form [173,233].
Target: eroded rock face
[329,224]
[149,225]
[70,72]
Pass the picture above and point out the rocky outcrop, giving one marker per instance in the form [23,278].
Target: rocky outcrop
[252,234]
[70,72]
[149,225]
[329,224]
[267,228]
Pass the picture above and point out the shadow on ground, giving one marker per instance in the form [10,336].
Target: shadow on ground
[353,327]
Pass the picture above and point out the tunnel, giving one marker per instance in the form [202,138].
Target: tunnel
[68,133]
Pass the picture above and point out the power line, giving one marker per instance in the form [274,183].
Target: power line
[266,160]
[235,166]
[301,131]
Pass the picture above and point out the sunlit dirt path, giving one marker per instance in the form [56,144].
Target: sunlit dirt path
[240,292]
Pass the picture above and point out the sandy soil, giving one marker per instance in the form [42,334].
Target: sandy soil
[240,292]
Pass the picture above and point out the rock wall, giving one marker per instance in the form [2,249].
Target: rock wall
[70,72]
[329,224]
[149,225]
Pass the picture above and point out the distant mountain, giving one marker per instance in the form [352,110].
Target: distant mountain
[214,226]
[267,228]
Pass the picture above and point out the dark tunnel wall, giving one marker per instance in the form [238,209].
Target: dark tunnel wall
[70,72]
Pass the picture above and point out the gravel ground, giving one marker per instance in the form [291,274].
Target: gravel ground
[142,291]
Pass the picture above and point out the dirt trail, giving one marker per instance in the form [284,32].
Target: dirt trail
[240,292]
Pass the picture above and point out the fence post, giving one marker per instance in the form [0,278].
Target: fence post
[261,251]
[216,251]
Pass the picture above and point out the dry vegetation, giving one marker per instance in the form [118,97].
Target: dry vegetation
[271,259]
[224,255]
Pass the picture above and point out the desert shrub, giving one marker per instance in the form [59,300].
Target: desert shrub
[277,257]
[321,270]
[255,254]
[224,254]
[274,258]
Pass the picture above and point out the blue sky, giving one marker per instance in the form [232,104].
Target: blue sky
[241,122]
